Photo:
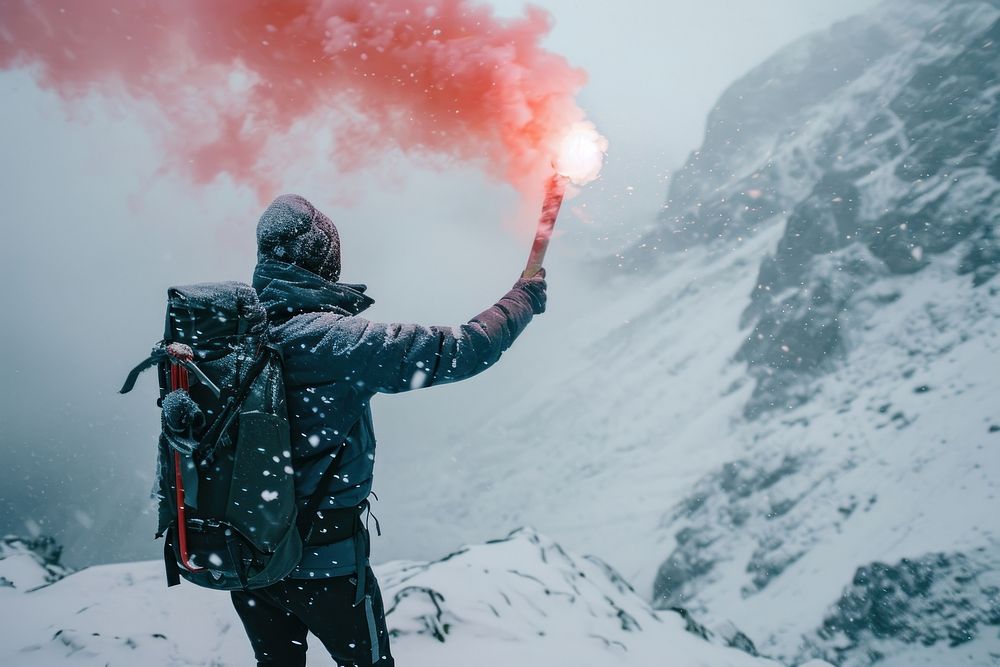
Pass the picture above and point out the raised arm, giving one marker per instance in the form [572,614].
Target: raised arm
[414,356]
[391,358]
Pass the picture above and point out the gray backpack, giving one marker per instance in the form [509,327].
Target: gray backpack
[225,481]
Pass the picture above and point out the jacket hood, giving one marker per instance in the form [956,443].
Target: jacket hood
[292,230]
[287,290]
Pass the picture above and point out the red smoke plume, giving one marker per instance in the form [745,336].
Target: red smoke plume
[437,77]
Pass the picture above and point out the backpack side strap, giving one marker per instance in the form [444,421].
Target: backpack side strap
[158,354]
[177,353]
[170,561]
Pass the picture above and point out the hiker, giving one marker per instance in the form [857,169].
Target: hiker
[335,361]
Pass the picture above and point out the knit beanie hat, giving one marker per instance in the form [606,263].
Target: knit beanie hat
[291,230]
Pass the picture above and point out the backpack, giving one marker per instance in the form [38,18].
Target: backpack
[225,479]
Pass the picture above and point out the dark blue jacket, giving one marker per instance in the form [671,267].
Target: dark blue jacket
[335,361]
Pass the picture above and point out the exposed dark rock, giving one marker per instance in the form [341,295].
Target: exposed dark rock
[741,642]
[982,259]
[870,181]
[688,562]
[739,492]
[740,478]
[728,634]
[769,560]
[691,625]
[43,549]
[938,597]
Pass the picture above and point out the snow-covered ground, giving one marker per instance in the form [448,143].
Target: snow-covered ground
[521,600]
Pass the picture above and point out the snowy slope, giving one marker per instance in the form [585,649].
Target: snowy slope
[521,600]
[893,457]
[786,416]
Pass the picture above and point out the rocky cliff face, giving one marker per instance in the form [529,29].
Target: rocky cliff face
[875,145]
[879,176]
[939,598]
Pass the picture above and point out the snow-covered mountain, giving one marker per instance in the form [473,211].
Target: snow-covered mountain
[876,145]
[785,414]
[521,600]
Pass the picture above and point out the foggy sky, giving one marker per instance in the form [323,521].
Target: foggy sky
[94,233]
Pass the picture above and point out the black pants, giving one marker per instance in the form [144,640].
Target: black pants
[277,618]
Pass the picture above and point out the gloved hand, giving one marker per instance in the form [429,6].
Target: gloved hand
[534,287]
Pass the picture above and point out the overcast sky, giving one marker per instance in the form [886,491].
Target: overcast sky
[93,235]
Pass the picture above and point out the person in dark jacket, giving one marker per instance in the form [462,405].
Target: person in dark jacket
[335,361]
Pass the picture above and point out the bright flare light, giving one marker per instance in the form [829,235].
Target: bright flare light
[578,160]
[581,153]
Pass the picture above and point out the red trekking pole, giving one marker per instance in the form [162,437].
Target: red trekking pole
[179,380]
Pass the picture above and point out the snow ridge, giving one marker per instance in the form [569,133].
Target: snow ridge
[518,600]
[30,563]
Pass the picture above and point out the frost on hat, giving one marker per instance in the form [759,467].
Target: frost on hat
[291,230]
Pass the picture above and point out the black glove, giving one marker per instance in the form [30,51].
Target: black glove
[534,287]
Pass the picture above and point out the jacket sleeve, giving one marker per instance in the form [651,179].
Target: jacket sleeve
[392,358]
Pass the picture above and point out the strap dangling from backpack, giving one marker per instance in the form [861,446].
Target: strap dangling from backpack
[170,561]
